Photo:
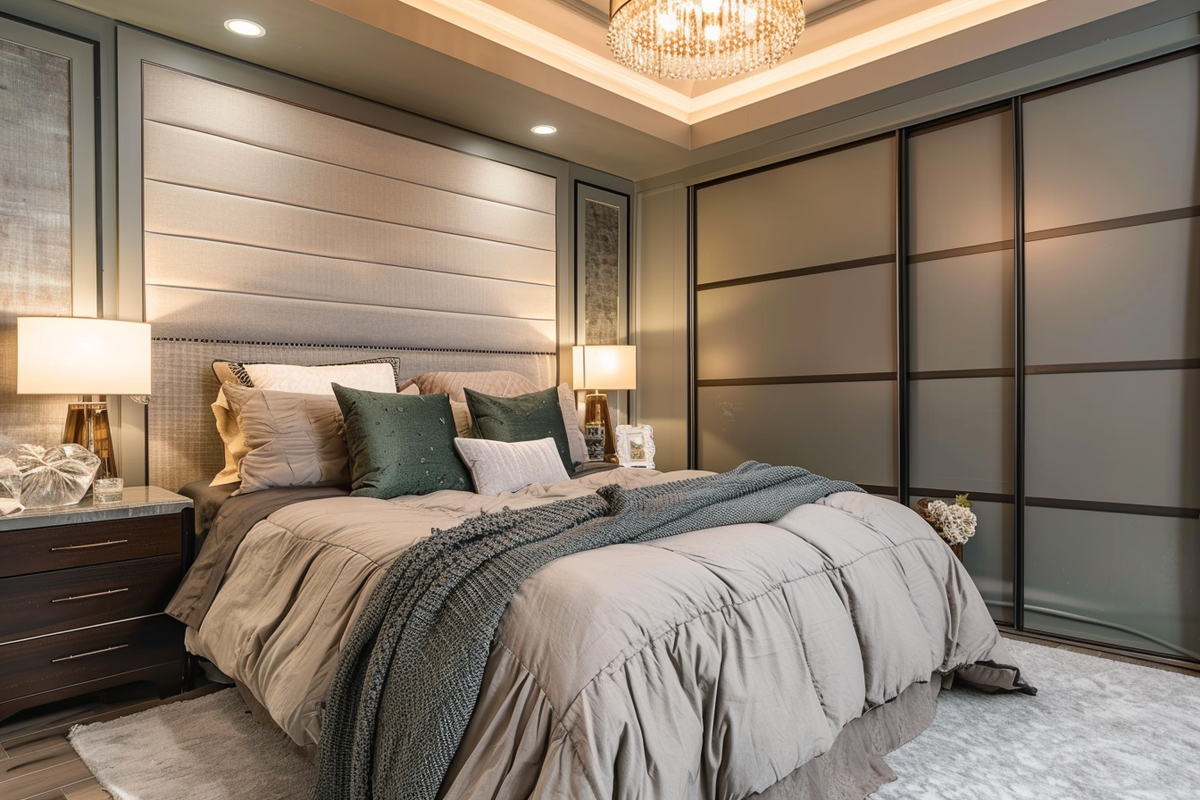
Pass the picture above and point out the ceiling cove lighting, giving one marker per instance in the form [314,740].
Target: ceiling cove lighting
[544,130]
[702,39]
[245,27]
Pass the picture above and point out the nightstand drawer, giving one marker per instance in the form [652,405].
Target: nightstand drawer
[76,598]
[61,547]
[39,665]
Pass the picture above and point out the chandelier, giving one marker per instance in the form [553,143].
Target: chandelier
[703,39]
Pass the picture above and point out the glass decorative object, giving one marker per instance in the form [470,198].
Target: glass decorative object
[10,480]
[108,490]
[56,476]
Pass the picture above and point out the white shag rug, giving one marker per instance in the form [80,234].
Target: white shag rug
[1097,730]
[209,748]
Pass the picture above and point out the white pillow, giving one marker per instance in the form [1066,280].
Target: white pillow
[320,380]
[497,467]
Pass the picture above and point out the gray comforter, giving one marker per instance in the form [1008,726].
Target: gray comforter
[705,664]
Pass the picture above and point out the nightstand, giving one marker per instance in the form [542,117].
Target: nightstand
[82,591]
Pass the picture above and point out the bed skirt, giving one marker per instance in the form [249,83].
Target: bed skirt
[851,770]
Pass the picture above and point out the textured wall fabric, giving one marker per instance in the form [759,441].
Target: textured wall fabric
[266,221]
[400,444]
[523,418]
[510,466]
[35,248]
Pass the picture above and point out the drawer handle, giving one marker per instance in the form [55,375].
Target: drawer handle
[89,653]
[86,596]
[86,546]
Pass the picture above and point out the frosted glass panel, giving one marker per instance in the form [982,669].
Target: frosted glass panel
[833,322]
[988,556]
[962,434]
[828,209]
[1129,294]
[1122,437]
[1129,574]
[962,312]
[1114,148]
[840,430]
[961,185]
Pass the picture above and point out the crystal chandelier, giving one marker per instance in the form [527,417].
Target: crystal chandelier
[703,39]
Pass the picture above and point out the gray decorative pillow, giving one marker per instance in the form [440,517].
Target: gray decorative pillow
[400,444]
[521,419]
[290,439]
[510,466]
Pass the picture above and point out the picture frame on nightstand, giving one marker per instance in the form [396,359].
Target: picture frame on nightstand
[635,446]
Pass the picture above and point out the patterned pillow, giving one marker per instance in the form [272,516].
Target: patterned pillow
[400,444]
[501,383]
[521,419]
[510,466]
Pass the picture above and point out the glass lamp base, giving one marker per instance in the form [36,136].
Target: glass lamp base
[87,424]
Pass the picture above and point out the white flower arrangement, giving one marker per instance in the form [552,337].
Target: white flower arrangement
[954,523]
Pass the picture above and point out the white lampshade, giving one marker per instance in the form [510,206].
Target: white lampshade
[605,367]
[81,355]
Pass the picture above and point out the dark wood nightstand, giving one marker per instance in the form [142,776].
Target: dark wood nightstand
[82,590]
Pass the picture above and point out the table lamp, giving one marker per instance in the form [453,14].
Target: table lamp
[88,357]
[603,368]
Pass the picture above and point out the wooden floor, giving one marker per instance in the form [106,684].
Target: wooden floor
[38,763]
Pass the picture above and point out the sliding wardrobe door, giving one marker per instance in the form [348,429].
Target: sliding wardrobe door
[1112,535]
[796,316]
[960,328]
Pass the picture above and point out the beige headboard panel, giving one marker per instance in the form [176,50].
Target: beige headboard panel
[182,435]
[275,232]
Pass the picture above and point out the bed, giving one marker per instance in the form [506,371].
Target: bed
[776,656]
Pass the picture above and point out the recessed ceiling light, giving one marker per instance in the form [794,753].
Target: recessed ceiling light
[244,27]
[544,130]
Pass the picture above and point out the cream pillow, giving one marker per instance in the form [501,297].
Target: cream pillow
[382,373]
[290,439]
[498,467]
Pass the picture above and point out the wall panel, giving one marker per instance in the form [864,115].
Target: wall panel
[1119,437]
[1129,294]
[833,322]
[962,312]
[832,208]
[1114,148]
[1140,574]
[962,430]
[845,431]
[291,202]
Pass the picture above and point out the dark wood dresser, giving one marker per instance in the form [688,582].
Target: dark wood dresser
[82,590]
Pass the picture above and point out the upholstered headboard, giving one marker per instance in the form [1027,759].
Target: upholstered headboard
[278,233]
[183,441]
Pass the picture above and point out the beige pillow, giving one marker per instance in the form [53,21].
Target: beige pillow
[497,466]
[291,439]
[381,374]
[501,383]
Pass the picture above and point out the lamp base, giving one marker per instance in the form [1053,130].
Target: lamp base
[87,424]
[596,415]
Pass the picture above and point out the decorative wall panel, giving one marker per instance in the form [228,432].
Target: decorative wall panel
[35,211]
[266,221]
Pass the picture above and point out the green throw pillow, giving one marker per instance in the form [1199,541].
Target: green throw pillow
[525,418]
[400,444]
